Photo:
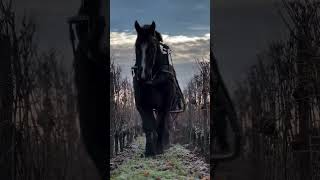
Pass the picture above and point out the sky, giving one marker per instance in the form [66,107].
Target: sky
[184,25]
[239,28]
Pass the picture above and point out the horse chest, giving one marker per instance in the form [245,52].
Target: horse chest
[149,96]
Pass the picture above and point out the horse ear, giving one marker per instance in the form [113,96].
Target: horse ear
[137,26]
[153,26]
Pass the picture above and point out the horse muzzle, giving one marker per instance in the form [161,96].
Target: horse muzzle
[146,75]
[140,76]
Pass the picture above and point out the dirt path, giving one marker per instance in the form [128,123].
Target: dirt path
[176,163]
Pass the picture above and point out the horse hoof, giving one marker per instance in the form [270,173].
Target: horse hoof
[167,146]
[159,148]
[149,154]
[159,151]
[150,151]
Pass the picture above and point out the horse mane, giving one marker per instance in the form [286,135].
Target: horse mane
[159,36]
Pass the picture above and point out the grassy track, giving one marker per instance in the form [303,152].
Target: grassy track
[175,163]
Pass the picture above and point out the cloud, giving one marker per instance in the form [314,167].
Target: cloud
[199,28]
[184,48]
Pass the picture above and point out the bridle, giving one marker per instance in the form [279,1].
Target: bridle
[162,68]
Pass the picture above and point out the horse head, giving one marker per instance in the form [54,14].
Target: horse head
[146,48]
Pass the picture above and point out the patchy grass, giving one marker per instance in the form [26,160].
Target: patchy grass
[169,165]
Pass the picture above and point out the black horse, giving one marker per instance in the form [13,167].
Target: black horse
[154,87]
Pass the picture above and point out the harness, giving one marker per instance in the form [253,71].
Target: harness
[166,68]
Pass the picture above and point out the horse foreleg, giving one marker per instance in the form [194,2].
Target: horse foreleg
[163,130]
[149,127]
